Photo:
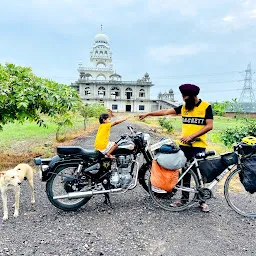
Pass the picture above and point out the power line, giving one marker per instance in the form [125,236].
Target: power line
[216,91]
[211,82]
[191,75]
[170,77]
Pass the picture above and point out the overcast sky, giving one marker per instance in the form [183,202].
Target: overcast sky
[209,43]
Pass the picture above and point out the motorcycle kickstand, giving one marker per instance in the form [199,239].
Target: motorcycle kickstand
[107,200]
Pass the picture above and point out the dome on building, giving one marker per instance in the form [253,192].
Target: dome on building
[115,75]
[101,38]
[171,91]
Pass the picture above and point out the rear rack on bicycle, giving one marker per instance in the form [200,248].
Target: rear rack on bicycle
[160,143]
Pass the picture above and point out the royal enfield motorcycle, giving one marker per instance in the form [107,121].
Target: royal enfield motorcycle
[76,174]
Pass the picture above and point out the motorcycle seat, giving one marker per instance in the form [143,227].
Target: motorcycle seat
[76,150]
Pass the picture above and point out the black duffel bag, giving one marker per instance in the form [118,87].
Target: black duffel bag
[248,174]
[229,158]
[211,168]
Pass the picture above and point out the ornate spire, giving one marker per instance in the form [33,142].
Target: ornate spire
[101,27]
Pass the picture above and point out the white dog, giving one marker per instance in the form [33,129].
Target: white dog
[11,180]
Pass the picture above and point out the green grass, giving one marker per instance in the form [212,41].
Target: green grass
[219,124]
[19,132]
[15,132]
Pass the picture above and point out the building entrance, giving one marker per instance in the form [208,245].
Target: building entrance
[128,108]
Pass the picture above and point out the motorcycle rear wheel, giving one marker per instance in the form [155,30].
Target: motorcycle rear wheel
[55,186]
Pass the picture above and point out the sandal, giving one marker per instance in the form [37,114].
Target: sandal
[204,207]
[177,203]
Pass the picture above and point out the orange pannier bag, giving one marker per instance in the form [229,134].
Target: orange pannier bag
[163,178]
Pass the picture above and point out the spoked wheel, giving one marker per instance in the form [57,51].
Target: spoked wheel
[144,174]
[237,197]
[63,182]
[173,201]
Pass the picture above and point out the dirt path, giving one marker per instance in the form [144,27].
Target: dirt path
[133,227]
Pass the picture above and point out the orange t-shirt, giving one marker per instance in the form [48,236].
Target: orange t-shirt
[102,137]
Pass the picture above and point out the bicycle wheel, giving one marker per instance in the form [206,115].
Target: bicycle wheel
[237,197]
[172,201]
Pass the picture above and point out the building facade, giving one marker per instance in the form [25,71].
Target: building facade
[100,83]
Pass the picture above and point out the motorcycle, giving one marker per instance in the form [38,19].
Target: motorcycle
[76,174]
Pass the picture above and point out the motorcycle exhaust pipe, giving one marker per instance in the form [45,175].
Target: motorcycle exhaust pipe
[75,195]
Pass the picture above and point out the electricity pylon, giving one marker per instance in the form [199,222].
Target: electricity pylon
[247,98]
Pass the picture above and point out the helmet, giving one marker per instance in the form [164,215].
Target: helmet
[250,140]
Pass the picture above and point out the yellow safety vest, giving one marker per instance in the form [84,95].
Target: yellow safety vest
[193,121]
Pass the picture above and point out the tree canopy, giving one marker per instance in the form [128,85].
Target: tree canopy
[24,96]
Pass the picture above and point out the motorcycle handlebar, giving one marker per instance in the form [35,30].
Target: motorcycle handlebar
[131,129]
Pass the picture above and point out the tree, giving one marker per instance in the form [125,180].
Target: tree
[235,107]
[219,109]
[91,110]
[24,96]
[62,121]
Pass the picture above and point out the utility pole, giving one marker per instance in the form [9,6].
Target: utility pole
[247,99]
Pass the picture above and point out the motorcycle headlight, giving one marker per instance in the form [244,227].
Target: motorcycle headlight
[146,138]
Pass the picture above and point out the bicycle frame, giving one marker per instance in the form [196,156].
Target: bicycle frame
[200,180]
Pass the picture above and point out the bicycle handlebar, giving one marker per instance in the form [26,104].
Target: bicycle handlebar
[240,147]
[206,154]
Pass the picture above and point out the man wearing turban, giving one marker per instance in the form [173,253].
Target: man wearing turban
[197,120]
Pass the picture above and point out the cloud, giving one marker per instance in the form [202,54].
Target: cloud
[64,14]
[253,14]
[163,6]
[166,53]
[73,16]
[228,18]
[241,15]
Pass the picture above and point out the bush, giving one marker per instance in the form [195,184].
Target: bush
[166,124]
[235,134]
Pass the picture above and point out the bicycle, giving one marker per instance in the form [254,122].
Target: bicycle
[235,194]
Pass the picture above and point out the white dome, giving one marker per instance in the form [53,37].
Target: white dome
[101,37]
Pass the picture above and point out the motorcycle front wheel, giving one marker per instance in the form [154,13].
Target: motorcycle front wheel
[144,174]
[61,183]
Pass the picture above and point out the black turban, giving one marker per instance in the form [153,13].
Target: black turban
[189,89]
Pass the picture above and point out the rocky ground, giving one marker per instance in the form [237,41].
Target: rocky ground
[133,227]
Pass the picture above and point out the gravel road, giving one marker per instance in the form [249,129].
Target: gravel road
[133,227]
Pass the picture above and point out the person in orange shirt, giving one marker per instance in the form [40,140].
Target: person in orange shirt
[102,142]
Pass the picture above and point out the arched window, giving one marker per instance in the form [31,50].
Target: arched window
[101,77]
[87,76]
[115,92]
[101,64]
[142,93]
[101,92]
[101,52]
[87,91]
[128,93]
[96,52]
[106,52]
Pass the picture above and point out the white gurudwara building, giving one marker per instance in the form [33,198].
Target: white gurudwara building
[100,83]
